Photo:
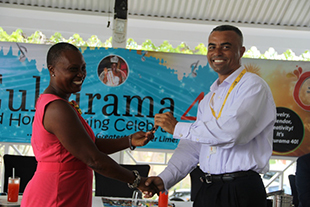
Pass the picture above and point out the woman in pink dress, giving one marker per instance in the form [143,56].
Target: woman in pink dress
[64,144]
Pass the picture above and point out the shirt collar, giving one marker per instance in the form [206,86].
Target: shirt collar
[229,80]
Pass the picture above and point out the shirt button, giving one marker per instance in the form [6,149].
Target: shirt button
[181,135]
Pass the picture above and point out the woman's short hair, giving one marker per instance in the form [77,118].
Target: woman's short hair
[56,51]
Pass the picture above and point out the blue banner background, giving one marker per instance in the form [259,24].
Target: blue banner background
[156,82]
[170,81]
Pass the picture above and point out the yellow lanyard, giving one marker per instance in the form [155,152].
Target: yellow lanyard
[230,89]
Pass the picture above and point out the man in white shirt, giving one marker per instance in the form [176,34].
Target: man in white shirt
[231,139]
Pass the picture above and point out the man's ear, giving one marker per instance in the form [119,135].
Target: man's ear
[242,50]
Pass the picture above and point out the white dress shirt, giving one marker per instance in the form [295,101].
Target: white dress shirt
[239,140]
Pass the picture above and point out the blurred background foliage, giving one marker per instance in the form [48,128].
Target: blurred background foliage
[39,38]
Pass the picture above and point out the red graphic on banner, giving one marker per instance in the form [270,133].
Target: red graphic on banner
[193,118]
[302,77]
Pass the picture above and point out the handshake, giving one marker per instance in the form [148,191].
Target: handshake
[154,184]
[151,186]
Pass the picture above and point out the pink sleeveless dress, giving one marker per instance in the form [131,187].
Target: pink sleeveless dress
[61,180]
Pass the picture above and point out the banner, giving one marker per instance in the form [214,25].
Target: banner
[146,83]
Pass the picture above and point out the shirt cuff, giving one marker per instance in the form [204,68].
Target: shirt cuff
[167,178]
[181,130]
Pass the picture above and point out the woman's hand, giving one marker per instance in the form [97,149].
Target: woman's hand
[105,70]
[141,138]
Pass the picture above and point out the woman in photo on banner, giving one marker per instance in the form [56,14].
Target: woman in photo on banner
[113,76]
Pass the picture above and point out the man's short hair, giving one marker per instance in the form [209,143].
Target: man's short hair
[56,51]
[222,28]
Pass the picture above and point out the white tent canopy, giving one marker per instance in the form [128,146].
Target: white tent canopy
[158,27]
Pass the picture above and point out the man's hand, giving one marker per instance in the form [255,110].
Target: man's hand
[166,121]
[153,181]
[148,187]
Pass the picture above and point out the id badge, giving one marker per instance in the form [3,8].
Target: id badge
[212,150]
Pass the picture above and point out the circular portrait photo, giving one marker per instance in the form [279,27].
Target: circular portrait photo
[113,70]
